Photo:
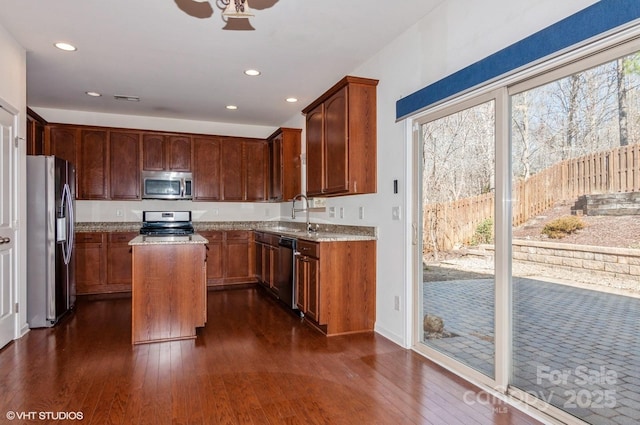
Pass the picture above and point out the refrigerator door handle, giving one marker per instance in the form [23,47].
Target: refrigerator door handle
[67,206]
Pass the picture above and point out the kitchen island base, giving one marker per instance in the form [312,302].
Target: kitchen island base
[168,288]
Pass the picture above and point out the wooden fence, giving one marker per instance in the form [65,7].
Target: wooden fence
[447,225]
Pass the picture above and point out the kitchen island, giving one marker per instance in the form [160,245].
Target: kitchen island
[168,287]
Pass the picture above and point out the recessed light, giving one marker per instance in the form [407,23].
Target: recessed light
[252,72]
[291,99]
[232,107]
[93,94]
[66,47]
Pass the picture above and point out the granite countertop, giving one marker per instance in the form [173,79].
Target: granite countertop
[168,240]
[127,226]
[326,232]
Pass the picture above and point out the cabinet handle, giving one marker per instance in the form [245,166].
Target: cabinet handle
[5,240]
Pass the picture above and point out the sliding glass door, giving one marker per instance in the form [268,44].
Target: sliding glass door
[529,250]
[576,235]
[457,288]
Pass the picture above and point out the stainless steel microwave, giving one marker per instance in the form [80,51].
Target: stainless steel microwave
[167,185]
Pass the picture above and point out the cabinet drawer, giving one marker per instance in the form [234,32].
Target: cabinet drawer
[272,240]
[260,237]
[89,237]
[311,249]
[121,237]
[211,235]
[237,235]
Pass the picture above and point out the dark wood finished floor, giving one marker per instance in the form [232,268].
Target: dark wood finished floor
[252,364]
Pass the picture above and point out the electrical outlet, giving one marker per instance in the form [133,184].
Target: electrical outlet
[395,213]
[332,212]
[317,202]
[396,303]
[341,212]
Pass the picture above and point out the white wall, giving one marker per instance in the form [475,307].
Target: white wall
[13,91]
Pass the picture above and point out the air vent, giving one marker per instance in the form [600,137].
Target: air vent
[127,98]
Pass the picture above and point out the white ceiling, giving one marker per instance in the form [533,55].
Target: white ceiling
[190,68]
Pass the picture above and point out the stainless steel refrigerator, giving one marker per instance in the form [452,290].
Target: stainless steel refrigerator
[51,286]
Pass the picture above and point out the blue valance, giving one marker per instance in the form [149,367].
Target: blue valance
[596,19]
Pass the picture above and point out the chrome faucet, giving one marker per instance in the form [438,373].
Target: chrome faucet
[293,209]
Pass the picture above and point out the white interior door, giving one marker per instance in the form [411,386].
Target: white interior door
[8,257]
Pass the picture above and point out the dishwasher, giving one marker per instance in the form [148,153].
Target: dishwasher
[286,273]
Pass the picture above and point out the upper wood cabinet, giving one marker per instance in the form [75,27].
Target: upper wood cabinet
[153,152]
[284,163]
[124,168]
[206,168]
[61,141]
[232,177]
[35,133]
[166,152]
[85,148]
[244,175]
[342,139]
[179,153]
[92,161]
[109,161]
[256,161]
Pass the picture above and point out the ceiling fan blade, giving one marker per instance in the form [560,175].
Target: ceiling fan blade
[262,4]
[197,9]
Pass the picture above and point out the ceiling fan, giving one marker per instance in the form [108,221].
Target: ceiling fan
[235,13]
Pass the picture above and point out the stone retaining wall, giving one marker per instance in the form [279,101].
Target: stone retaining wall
[618,267]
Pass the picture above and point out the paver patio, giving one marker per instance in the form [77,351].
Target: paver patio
[578,349]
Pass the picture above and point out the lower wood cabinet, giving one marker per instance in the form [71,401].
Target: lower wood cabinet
[230,257]
[336,285]
[90,262]
[103,262]
[214,248]
[266,255]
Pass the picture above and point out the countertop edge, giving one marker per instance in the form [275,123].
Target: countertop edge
[143,240]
